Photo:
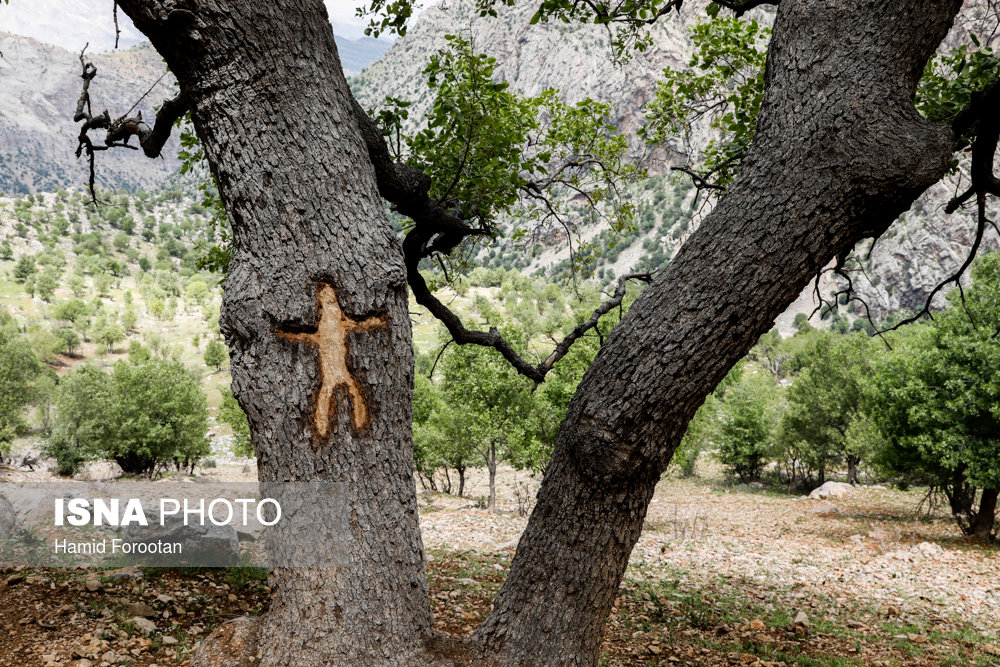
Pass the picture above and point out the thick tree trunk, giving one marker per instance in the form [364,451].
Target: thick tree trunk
[315,316]
[839,153]
[982,526]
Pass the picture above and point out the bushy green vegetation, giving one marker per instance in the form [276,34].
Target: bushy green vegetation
[116,282]
[142,416]
[84,298]
[921,412]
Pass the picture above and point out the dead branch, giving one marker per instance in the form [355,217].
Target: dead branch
[151,139]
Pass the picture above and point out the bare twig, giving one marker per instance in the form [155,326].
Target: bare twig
[151,139]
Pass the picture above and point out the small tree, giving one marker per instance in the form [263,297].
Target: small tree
[215,354]
[129,318]
[141,416]
[745,425]
[934,398]
[70,310]
[823,403]
[70,339]
[24,268]
[110,334]
[19,368]
[496,408]
[196,291]
[231,413]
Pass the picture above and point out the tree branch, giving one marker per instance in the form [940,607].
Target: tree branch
[616,300]
[151,139]
[741,7]
[439,230]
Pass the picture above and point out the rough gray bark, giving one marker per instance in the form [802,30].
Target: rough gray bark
[839,153]
[272,108]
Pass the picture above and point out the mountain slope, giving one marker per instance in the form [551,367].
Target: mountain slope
[41,87]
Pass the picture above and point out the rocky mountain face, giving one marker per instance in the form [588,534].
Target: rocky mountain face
[575,59]
[41,85]
[918,251]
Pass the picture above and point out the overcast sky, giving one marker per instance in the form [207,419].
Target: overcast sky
[72,23]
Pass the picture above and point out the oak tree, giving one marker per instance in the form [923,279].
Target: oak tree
[315,299]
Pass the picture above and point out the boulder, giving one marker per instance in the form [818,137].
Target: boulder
[144,624]
[928,550]
[98,471]
[831,490]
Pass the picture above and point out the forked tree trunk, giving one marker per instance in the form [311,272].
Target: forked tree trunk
[839,153]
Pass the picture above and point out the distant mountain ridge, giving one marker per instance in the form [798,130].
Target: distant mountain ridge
[40,86]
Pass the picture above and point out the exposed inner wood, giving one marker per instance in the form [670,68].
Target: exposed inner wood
[331,340]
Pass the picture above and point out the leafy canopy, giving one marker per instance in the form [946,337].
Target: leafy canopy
[724,85]
[491,152]
[140,415]
[936,397]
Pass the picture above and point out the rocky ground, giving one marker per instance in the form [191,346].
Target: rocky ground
[722,575]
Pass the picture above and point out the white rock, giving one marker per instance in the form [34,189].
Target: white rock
[831,490]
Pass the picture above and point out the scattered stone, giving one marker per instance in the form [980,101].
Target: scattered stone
[800,625]
[201,545]
[167,640]
[831,490]
[892,610]
[757,625]
[655,649]
[140,609]
[824,509]
[144,624]
[110,657]
[163,598]
[125,574]
[855,625]
[14,579]
[93,585]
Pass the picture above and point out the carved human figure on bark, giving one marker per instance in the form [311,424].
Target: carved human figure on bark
[331,341]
